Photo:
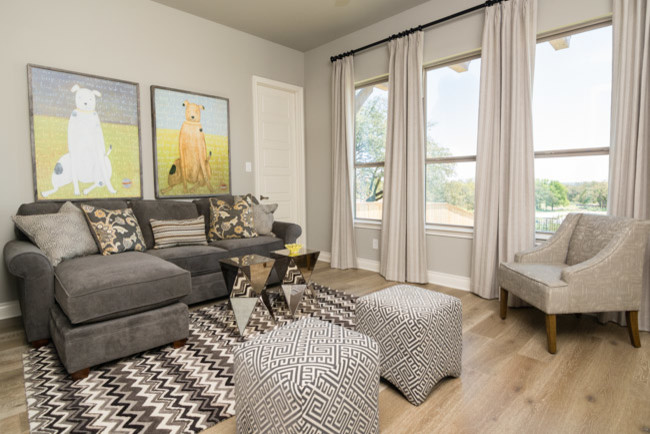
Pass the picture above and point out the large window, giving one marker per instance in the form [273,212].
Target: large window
[452,96]
[371,104]
[571,119]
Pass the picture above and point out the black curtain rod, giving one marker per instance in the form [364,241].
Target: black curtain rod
[488,3]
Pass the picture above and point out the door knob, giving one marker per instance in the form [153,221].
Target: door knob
[262,197]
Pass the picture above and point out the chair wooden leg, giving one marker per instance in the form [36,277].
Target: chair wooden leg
[178,344]
[504,303]
[551,328]
[78,375]
[632,318]
[40,343]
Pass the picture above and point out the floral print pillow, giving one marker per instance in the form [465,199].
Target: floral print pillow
[115,230]
[228,222]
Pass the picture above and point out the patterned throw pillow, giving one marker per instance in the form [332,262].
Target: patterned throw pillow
[172,233]
[115,230]
[60,236]
[227,221]
[263,217]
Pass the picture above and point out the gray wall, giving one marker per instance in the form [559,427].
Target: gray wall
[135,40]
[446,254]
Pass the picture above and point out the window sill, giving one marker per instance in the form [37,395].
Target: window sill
[435,230]
[464,232]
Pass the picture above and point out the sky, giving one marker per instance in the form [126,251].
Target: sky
[571,107]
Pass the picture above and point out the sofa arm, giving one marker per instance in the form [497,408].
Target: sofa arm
[289,232]
[616,272]
[35,286]
[553,251]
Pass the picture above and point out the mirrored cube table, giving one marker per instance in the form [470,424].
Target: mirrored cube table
[246,278]
[295,270]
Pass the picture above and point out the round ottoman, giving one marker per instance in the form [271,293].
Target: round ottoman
[307,376]
[420,336]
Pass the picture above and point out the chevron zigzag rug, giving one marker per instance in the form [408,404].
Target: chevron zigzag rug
[164,390]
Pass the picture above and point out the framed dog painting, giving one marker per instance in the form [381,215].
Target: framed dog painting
[85,133]
[191,142]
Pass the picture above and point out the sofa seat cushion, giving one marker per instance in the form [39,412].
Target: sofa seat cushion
[261,245]
[96,287]
[197,260]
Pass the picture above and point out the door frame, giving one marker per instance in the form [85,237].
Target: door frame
[298,95]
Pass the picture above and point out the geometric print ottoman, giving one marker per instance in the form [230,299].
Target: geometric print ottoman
[419,334]
[308,376]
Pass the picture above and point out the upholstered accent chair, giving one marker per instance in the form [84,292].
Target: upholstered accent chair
[593,263]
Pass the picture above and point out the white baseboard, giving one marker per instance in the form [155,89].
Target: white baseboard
[9,309]
[368,264]
[325,256]
[448,280]
[435,277]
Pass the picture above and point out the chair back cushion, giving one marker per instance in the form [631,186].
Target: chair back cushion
[591,234]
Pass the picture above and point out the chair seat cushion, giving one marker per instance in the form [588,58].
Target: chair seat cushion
[197,260]
[96,287]
[534,283]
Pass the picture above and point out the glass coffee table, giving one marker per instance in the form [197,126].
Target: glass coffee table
[246,278]
[295,271]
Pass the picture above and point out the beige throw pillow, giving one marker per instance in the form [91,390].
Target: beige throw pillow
[60,236]
[263,217]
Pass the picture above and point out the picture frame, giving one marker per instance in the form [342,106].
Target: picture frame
[85,135]
[191,143]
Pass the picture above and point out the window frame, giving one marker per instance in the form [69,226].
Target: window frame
[571,152]
[359,222]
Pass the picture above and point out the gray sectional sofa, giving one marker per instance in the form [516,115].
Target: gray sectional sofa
[98,308]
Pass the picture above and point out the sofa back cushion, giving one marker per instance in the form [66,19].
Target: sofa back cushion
[160,210]
[203,206]
[591,234]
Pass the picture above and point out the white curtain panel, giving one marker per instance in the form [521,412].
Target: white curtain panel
[629,172]
[403,236]
[505,186]
[344,251]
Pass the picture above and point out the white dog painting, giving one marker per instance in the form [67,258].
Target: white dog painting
[87,160]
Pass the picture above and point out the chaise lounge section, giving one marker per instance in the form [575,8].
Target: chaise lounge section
[98,308]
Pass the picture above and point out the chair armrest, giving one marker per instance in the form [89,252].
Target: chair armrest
[289,232]
[35,286]
[553,251]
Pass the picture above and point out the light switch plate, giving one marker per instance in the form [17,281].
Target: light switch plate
[375,243]
[249,166]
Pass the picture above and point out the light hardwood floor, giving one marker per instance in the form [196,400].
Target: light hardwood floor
[597,382]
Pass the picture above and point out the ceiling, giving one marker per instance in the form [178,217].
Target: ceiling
[299,24]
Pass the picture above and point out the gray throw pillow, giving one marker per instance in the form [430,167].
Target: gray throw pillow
[60,236]
[263,217]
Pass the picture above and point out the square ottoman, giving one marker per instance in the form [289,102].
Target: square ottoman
[419,334]
[307,376]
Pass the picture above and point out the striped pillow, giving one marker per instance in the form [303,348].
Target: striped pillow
[171,233]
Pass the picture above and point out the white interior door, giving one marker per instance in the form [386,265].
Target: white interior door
[280,149]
